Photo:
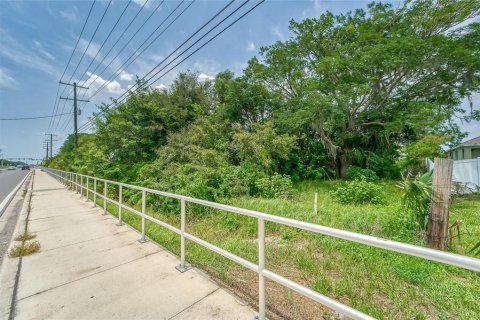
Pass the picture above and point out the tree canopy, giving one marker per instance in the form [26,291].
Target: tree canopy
[366,88]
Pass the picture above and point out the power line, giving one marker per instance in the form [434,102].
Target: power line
[33,118]
[126,44]
[118,39]
[78,40]
[135,55]
[86,49]
[84,127]
[106,39]
[90,42]
[98,52]
[191,36]
[63,108]
[90,123]
[68,63]
[198,40]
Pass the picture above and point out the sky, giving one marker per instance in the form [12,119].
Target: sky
[37,39]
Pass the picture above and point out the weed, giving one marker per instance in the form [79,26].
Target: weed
[25,236]
[24,249]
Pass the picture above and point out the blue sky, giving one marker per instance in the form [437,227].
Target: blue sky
[37,38]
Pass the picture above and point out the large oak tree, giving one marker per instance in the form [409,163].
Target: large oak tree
[374,80]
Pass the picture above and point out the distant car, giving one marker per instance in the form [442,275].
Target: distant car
[25,167]
[11,168]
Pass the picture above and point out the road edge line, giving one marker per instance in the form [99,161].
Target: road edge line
[4,204]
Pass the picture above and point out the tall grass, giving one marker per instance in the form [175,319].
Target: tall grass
[384,284]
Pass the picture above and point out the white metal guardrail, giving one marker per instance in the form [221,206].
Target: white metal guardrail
[81,183]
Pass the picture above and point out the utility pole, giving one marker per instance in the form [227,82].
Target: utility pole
[45,145]
[51,144]
[75,108]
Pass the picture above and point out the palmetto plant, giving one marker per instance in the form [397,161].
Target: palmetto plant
[476,249]
[417,195]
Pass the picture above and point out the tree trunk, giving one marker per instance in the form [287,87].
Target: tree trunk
[341,166]
[437,228]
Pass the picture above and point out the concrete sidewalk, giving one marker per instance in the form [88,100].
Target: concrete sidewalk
[90,268]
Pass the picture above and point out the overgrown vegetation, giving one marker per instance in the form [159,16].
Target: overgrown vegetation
[350,91]
[380,283]
[416,196]
[359,192]
[363,96]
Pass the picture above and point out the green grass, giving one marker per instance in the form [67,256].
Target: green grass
[383,284]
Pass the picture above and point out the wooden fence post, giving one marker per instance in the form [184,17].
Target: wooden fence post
[437,229]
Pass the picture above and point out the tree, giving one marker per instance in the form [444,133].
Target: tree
[375,80]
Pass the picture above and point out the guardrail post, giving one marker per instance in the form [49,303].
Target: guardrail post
[81,186]
[120,195]
[105,198]
[76,182]
[261,267]
[182,267]
[94,192]
[87,188]
[144,207]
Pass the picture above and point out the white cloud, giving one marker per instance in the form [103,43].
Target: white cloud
[40,49]
[6,81]
[206,66]
[94,83]
[126,76]
[205,77]
[70,15]
[13,51]
[313,11]
[161,87]
[251,46]
[141,3]
[92,48]
[279,34]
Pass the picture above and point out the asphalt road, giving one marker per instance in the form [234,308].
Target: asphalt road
[9,179]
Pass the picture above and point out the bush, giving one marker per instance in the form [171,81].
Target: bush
[359,174]
[276,186]
[417,195]
[359,192]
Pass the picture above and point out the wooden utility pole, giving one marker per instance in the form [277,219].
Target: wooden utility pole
[50,145]
[75,109]
[437,229]
[75,115]
[46,156]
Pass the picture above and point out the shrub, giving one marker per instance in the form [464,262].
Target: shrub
[417,195]
[359,174]
[359,192]
[275,186]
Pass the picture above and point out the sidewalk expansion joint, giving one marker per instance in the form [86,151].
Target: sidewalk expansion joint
[85,277]
[199,300]
[83,241]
